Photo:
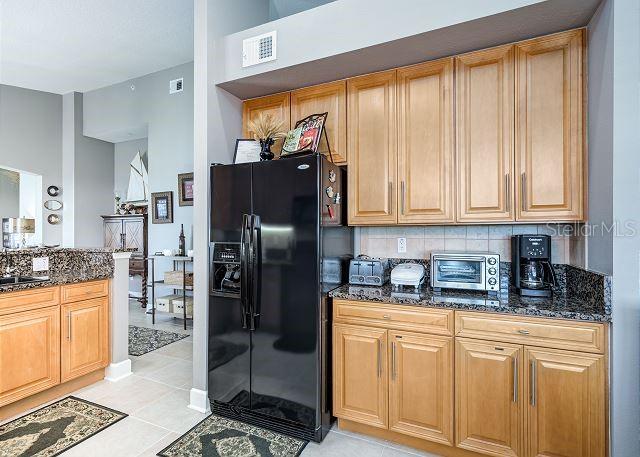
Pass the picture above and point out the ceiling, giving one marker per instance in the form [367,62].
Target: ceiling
[80,45]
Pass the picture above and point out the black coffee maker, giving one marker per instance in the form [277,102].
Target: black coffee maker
[532,273]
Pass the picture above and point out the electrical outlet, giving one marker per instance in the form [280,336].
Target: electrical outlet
[402,245]
[40,264]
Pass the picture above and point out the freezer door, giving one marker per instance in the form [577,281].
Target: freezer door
[229,353]
[284,371]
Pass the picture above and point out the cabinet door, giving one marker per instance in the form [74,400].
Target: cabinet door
[421,386]
[85,337]
[566,408]
[360,384]
[372,148]
[277,105]
[489,397]
[134,234]
[29,353]
[549,128]
[425,143]
[326,98]
[485,128]
[113,233]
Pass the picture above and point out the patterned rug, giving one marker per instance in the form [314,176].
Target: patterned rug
[221,437]
[53,429]
[143,340]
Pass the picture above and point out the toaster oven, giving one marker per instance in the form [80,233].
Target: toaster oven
[465,270]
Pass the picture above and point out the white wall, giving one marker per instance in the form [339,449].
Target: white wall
[31,140]
[30,203]
[9,193]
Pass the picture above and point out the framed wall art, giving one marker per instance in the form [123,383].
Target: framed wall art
[185,189]
[306,135]
[162,207]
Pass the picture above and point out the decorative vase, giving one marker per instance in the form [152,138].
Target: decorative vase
[265,149]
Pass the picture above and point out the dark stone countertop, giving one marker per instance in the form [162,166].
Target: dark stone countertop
[559,307]
[56,279]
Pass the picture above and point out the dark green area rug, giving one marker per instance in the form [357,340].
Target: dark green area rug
[143,340]
[218,436]
[51,430]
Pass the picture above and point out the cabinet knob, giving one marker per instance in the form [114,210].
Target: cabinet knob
[523,332]
[386,316]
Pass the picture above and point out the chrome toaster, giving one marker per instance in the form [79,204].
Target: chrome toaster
[364,270]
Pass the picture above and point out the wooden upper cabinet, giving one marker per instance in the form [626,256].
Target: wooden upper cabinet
[330,98]
[485,129]
[549,128]
[85,337]
[29,353]
[278,105]
[566,409]
[489,397]
[372,148]
[425,143]
[421,386]
[360,374]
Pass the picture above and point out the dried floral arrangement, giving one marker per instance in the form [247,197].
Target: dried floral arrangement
[266,126]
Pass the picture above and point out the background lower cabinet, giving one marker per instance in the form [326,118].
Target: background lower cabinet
[29,353]
[85,337]
[421,386]
[489,397]
[360,374]
[566,400]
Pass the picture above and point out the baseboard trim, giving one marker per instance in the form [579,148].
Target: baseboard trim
[118,371]
[199,401]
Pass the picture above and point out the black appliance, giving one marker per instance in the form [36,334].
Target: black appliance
[532,274]
[269,341]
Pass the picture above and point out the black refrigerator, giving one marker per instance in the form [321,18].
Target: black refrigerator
[273,226]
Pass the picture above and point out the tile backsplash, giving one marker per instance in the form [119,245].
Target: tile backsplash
[421,240]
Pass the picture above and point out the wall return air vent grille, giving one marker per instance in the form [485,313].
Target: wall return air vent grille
[259,49]
[176,85]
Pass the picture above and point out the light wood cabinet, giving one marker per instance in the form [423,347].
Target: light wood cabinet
[332,99]
[485,129]
[85,337]
[426,163]
[360,374]
[372,149]
[277,105]
[549,128]
[421,386]
[489,397]
[29,353]
[566,403]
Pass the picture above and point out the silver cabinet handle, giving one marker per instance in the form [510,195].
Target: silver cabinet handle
[523,181]
[393,360]
[69,325]
[515,380]
[402,196]
[390,197]
[523,331]
[507,191]
[532,398]
[379,358]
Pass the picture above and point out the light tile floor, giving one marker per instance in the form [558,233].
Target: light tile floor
[156,398]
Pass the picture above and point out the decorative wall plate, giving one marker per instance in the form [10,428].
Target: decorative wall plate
[53,219]
[53,205]
[53,191]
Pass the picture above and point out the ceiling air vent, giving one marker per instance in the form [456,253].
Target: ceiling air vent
[259,49]
[175,85]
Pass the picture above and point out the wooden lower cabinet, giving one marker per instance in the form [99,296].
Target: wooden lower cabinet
[566,408]
[489,397]
[85,337]
[29,353]
[421,386]
[360,374]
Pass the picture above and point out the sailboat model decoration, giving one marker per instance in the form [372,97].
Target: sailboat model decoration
[138,191]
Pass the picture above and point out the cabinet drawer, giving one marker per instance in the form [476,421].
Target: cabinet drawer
[85,290]
[552,333]
[24,300]
[136,265]
[401,317]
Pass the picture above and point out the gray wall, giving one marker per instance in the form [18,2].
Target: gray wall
[124,154]
[282,8]
[116,111]
[31,140]
[9,193]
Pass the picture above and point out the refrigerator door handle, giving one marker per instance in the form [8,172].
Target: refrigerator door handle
[245,245]
[256,271]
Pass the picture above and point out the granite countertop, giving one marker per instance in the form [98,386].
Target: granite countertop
[558,306]
[56,279]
